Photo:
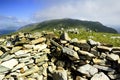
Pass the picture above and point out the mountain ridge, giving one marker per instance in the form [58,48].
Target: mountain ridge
[66,24]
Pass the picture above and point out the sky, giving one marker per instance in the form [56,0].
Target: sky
[17,13]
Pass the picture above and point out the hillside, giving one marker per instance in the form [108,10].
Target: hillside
[66,24]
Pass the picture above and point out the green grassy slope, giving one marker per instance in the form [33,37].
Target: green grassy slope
[66,24]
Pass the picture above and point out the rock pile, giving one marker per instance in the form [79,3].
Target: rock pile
[46,57]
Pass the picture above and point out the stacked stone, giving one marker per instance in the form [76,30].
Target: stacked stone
[46,57]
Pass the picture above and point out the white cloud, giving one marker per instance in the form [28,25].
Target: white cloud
[10,22]
[105,11]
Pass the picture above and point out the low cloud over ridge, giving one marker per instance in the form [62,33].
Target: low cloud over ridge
[106,11]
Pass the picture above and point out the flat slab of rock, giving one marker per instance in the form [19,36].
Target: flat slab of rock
[116,49]
[3,69]
[38,40]
[15,49]
[87,70]
[28,46]
[100,76]
[86,53]
[104,49]
[39,47]
[71,53]
[10,63]
[113,57]
[22,52]
[103,68]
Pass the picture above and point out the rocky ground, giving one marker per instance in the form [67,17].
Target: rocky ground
[39,56]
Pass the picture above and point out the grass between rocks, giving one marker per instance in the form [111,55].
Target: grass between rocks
[97,36]
[84,35]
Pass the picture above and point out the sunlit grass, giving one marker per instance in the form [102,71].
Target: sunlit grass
[96,36]
[84,35]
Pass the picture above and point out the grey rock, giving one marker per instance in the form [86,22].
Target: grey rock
[71,53]
[7,57]
[76,48]
[60,74]
[60,63]
[4,69]
[103,68]
[39,47]
[86,53]
[80,78]
[39,40]
[28,46]
[63,41]
[113,57]
[20,65]
[104,49]
[25,60]
[114,76]
[51,69]
[99,61]
[22,52]
[10,63]
[23,56]
[1,76]
[94,51]
[42,58]
[83,45]
[37,76]
[65,36]
[115,48]
[100,76]
[87,70]
[44,72]
[92,42]
[15,49]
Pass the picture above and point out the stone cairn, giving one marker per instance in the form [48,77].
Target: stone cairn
[39,56]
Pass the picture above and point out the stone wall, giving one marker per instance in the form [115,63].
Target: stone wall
[39,56]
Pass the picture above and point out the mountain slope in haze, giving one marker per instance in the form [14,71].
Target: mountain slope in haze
[117,28]
[66,24]
[6,31]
